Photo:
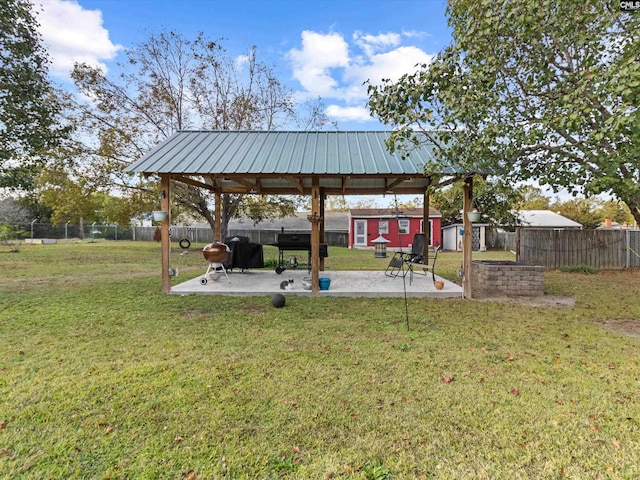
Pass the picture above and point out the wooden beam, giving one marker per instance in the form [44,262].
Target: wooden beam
[246,190]
[393,184]
[345,183]
[467,238]
[193,182]
[165,241]
[250,185]
[328,191]
[296,182]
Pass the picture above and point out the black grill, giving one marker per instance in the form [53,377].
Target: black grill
[296,242]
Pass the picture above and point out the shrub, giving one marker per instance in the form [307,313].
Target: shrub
[7,233]
[579,269]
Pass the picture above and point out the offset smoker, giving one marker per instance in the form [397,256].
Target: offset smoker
[289,242]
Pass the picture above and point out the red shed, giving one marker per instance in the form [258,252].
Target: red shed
[366,224]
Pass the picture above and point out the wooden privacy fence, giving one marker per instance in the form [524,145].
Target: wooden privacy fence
[500,240]
[599,249]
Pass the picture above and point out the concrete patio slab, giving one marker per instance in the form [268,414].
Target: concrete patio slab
[361,283]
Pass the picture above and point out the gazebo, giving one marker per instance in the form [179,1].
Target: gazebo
[315,163]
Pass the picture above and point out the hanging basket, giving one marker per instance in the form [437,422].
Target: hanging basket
[473,215]
[159,216]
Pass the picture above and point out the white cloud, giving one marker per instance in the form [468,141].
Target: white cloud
[349,114]
[372,43]
[241,61]
[414,34]
[391,65]
[327,66]
[73,34]
[313,63]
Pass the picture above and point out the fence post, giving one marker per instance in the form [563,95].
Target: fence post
[628,249]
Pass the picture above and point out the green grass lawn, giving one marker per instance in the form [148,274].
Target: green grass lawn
[102,376]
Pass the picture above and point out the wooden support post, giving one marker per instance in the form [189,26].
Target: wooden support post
[217,209]
[315,236]
[467,239]
[165,241]
[425,223]
[322,239]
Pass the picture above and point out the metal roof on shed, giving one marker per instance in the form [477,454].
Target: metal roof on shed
[286,161]
[544,219]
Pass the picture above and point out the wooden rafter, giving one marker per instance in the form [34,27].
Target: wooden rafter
[296,182]
[193,182]
[345,183]
[251,186]
[393,184]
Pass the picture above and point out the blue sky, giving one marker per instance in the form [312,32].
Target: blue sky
[322,48]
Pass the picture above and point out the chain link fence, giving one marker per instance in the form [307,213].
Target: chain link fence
[112,231]
[108,231]
[633,248]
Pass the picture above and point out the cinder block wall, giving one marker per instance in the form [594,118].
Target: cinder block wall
[506,279]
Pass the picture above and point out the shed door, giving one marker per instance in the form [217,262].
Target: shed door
[475,239]
[361,233]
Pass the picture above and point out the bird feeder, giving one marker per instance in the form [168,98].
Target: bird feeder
[380,245]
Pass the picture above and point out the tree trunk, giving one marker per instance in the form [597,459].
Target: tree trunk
[229,208]
[211,220]
[633,202]
[230,204]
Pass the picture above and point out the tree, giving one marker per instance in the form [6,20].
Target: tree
[70,200]
[533,199]
[121,210]
[34,207]
[335,203]
[171,83]
[12,212]
[495,199]
[29,110]
[616,211]
[544,90]
[585,211]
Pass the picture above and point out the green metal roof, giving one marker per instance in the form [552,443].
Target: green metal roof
[285,162]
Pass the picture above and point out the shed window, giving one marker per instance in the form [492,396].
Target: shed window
[383,227]
[403,225]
